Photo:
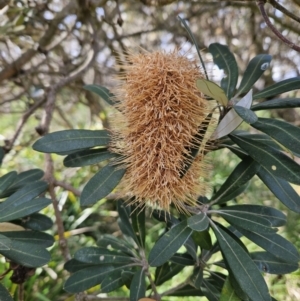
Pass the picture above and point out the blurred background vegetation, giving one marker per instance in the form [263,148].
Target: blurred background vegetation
[50,49]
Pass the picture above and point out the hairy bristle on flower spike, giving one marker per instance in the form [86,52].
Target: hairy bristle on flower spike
[161,113]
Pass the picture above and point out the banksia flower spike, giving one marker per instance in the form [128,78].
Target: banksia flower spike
[161,115]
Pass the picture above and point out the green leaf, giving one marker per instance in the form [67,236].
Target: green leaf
[5,295]
[186,291]
[2,154]
[138,224]
[37,222]
[232,120]
[246,220]
[279,88]
[27,177]
[124,222]
[22,197]
[88,157]
[169,243]
[87,278]
[194,149]
[166,272]
[74,265]
[202,239]
[281,189]
[24,209]
[273,160]
[228,293]
[138,286]
[5,243]
[107,240]
[102,256]
[285,133]
[191,248]
[274,244]
[253,72]
[182,259]
[101,184]
[243,173]
[127,277]
[244,269]
[268,263]
[7,180]
[38,239]
[225,60]
[246,114]
[275,217]
[198,222]
[211,89]
[111,282]
[195,43]
[71,140]
[197,277]
[26,253]
[210,291]
[102,92]
[277,103]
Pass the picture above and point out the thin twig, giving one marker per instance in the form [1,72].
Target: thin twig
[261,6]
[21,292]
[67,187]
[281,8]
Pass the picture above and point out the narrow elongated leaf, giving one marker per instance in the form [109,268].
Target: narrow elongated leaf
[246,114]
[87,278]
[5,295]
[279,88]
[243,173]
[5,242]
[26,254]
[182,259]
[107,240]
[138,224]
[185,291]
[273,160]
[253,72]
[101,256]
[88,157]
[275,217]
[124,222]
[195,43]
[285,133]
[248,221]
[274,244]
[74,265]
[166,272]
[244,269]
[194,150]
[281,189]
[202,239]
[27,177]
[228,293]
[37,222]
[24,209]
[277,103]
[225,60]
[101,184]
[22,197]
[38,239]
[197,277]
[268,263]
[7,180]
[198,222]
[211,89]
[111,282]
[138,286]
[71,140]
[127,277]
[102,92]
[1,155]
[210,291]
[232,120]
[191,248]
[169,243]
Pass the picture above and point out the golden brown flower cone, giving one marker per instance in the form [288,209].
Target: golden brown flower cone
[161,111]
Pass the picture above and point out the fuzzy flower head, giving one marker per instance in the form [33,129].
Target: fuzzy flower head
[161,114]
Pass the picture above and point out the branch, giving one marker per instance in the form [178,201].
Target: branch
[13,68]
[261,7]
[279,7]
